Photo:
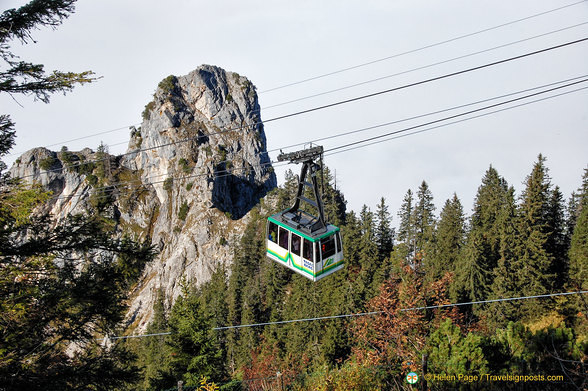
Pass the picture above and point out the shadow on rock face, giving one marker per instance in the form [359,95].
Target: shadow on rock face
[237,195]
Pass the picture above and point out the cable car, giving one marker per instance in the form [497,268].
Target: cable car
[296,239]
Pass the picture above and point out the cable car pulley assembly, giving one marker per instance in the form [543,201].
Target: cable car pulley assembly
[305,243]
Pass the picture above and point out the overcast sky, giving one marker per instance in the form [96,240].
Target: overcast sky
[134,44]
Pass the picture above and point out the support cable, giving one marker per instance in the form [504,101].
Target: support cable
[439,306]
[345,101]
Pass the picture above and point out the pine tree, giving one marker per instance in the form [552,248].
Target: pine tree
[61,284]
[153,353]
[557,245]
[481,252]
[503,277]
[195,349]
[384,235]
[333,199]
[407,228]
[450,240]
[424,220]
[578,276]
[20,77]
[247,259]
[532,262]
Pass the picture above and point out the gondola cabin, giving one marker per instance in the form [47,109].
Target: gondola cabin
[313,254]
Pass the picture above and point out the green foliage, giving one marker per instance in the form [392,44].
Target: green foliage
[452,353]
[185,165]
[47,162]
[450,239]
[208,151]
[189,186]
[67,157]
[183,212]
[22,77]
[351,376]
[486,243]
[168,84]
[153,353]
[194,346]
[53,284]
[579,243]
[146,114]
[375,352]
[92,179]
[168,184]
[384,233]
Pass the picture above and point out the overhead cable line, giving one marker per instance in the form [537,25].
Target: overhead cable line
[341,134]
[420,68]
[355,66]
[82,138]
[401,310]
[436,78]
[427,114]
[222,173]
[337,89]
[372,313]
[342,102]
[457,115]
[396,136]
[420,48]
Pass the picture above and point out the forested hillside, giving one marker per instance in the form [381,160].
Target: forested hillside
[515,243]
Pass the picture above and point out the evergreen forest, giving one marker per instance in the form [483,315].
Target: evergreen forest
[65,284]
[512,245]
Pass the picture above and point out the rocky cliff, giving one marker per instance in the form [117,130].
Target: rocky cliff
[191,174]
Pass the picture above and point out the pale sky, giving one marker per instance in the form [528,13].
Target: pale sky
[134,44]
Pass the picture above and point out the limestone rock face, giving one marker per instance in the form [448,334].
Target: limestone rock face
[191,174]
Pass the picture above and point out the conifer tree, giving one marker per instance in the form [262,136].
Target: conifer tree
[384,234]
[195,349]
[557,245]
[407,228]
[153,353]
[503,278]
[424,220]
[21,77]
[450,240]
[482,249]
[578,254]
[368,254]
[532,262]
[333,199]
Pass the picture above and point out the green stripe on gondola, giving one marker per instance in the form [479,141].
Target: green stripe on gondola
[302,268]
[326,269]
[285,226]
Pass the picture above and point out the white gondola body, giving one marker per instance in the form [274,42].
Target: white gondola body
[312,256]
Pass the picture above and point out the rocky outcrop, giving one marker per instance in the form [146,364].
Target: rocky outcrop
[192,172]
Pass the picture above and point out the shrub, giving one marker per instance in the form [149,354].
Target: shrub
[185,166]
[208,151]
[183,212]
[168,84]
[92,179]
[189,186]
[86,168]
[167,184]
[148,108]
[47,163]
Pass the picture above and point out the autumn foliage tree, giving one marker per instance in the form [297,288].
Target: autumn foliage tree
[395,336]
